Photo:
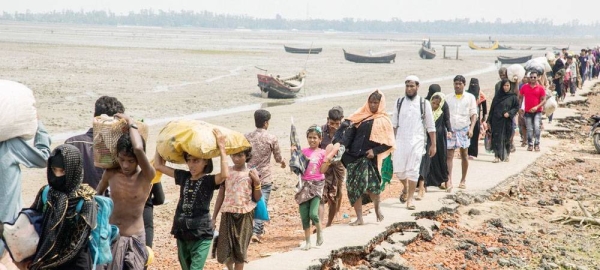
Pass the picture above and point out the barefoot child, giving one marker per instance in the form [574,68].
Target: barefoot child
[237,200]
[309,196]
[130,185]
[192,225]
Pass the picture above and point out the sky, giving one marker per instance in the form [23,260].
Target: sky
[586,11]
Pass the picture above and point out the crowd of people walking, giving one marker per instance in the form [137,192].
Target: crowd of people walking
[417,143]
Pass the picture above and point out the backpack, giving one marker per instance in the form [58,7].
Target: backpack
[103,234]
[399,105]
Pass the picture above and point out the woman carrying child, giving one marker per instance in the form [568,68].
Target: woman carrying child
[237,200]
[192,223]
[309,196]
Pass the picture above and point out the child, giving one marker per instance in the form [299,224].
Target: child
[309,196]
[192,224]
[237,200]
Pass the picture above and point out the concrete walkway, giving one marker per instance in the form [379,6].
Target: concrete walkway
[482,176]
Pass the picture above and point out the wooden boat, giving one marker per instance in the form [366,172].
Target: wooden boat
[276,87]
[475,47]
[539,48]
[387,58]
[303,50]
[514,60]
[559,49]
[525,48]
[427,53]
[502,47]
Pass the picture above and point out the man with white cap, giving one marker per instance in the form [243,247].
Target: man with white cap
[412,122]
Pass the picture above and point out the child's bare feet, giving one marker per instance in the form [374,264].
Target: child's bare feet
[357,222]
[307,246]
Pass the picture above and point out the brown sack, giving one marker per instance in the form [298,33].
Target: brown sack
[107,131]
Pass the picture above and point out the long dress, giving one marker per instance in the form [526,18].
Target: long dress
[438,172]
[501,126]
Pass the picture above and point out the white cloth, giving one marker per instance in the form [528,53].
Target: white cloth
[461,109]
[410,137]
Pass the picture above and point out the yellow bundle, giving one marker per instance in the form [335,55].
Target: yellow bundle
[197,139]
[107,131]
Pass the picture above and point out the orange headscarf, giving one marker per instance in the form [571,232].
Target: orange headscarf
[382,131]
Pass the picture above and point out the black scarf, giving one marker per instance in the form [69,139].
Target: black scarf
[499,98]
[64,230]
[474,88]
[434,88]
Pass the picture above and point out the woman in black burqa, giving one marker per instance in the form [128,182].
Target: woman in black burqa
[438,173]
[475,90]
[505,106]
[65,229]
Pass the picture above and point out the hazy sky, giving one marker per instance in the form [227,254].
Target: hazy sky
[586,11]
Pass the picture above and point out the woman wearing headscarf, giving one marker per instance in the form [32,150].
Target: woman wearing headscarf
[505,106]
[65,229]
[368,140]
[438,173]
[481,116]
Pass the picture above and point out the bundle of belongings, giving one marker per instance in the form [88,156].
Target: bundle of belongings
[107,131]
[196,138]
[18,116]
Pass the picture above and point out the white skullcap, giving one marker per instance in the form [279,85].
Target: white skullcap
[412,78]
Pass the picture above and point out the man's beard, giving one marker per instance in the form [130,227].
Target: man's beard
[411,97]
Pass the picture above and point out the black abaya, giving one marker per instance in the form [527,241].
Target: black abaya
[501,126]
[438,172]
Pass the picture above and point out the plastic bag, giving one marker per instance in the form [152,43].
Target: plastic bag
[261,212]
[487,141]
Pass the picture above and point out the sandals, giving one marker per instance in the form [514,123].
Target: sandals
[443,186]
[421,195]
[507,159]
[496,160]
[462,186]
[530,148]
[537,148]
[403,196]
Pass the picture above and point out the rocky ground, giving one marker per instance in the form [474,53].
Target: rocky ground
[547,217]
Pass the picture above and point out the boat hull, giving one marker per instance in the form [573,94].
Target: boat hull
[303,50]
[514,60]
[389,58]
[475,47]
[273,88]
[426,53]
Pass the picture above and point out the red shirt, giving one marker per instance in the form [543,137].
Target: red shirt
[533,96]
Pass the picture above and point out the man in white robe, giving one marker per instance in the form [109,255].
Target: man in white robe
[409,125]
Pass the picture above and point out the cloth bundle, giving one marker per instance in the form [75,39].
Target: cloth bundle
[515,72]
[18,116]
[107,131]
[197,139]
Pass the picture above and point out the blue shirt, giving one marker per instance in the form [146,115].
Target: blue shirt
[13,153]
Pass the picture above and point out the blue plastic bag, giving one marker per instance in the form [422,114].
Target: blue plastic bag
[261,212]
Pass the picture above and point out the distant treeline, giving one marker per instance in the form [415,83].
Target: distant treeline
[149,17]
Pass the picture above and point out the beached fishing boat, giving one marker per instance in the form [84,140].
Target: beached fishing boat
[427,53]
[356,58]
[539,48]
[514,60]
[276,87]
[525,48]
[561,48]
[475,47]
[502,47]
[303,50]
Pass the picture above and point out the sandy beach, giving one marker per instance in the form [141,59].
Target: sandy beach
[169,73]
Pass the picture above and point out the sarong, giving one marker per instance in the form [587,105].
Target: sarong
[129,252]
[309,190]
[235,233]
[333,181]
[362,177]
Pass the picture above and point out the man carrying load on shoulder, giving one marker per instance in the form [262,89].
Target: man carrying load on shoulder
[130,185]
